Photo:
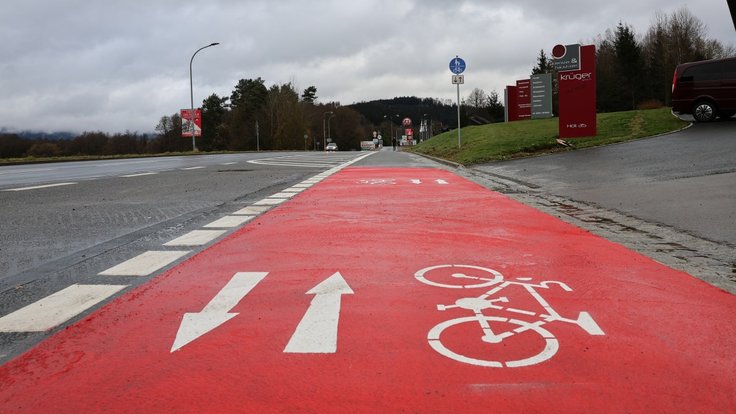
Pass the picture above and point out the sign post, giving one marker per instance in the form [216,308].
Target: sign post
[457,66]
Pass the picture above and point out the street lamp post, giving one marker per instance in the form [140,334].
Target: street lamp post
[191,93]
[329,135]
[324,129]
[391,124]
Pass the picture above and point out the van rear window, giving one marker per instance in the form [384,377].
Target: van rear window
[705,72]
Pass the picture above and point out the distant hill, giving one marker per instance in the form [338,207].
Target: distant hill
[439,112]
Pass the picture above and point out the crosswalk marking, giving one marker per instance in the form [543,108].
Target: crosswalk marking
[145,264]
[57,308]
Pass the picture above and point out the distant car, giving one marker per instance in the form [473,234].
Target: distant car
[331,147]
[705,89]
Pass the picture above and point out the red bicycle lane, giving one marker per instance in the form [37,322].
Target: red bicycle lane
[396,290]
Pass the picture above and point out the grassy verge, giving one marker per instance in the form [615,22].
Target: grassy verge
[39,160]
[519,139]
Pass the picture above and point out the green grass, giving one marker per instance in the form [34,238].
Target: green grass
[524,138]
[39,160]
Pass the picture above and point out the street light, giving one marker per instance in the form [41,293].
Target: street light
[191,93]
[391,124]
[329,118]
[324,128]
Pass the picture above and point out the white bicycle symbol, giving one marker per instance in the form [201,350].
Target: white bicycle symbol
[469,277]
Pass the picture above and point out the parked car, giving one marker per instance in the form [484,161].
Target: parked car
[331,147]
[705,89]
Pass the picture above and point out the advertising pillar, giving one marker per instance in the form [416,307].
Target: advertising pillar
[577,92]
[511,103]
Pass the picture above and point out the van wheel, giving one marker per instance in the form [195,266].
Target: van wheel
[704,111]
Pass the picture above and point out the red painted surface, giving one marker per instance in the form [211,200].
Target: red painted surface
[577,97]
[668,346]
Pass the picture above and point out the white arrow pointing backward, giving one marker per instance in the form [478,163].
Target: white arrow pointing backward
[194,325]
[317,332]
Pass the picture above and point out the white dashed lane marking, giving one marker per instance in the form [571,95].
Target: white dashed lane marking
[145,264]
[38,187]
[57,308]
[196,238]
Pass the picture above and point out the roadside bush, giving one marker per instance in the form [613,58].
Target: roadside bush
[43,149]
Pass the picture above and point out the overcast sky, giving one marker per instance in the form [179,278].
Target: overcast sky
[117,65]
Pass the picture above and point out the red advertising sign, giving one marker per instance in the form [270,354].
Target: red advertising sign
[524,99]
[577,97]
[186,126]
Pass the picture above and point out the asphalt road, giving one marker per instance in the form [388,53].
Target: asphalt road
[685,180]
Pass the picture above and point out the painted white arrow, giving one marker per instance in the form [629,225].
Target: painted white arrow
[217,312]
[440,181]
[317,331]
[416,181]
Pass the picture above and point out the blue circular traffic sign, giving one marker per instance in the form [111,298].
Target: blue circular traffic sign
[457,65]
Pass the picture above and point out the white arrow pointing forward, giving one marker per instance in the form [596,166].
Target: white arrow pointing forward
[440,181]
[217,312]
[317,332]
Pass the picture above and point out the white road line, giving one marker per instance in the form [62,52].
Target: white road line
[36,187]
[192,168]
[283,194]
[196,238]
[293,190]
[252,210]
[57,308]
[138,175]
[269,202]
[228,222]
[229,163]
[302,185]
[144,264]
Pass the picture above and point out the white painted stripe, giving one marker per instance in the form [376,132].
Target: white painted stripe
[283,194]
[269,202]
[37,187]
[57,308]
[252,210]
[196,238]
[229,163]
[144,264]
[192,168]
[138,175]
[228,222]
[301,185]
[293,190]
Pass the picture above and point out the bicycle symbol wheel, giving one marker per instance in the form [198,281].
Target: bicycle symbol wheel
[551,345]
[465,278]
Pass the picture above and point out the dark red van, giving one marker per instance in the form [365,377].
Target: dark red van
[705,89]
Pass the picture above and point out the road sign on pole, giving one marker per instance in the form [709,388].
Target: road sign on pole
[457,66]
